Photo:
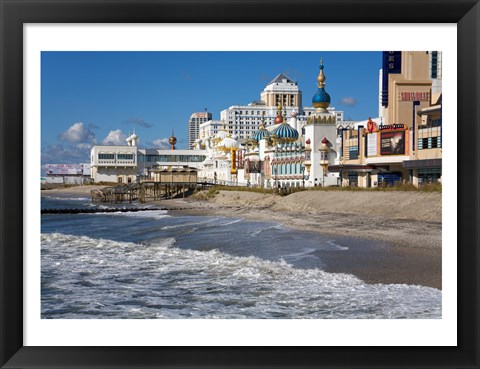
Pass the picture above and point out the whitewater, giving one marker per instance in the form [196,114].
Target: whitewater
[156,265]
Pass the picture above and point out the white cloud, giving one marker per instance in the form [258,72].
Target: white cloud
[77,133]
[84,146]
[161,143]
[349,101]
[116,137]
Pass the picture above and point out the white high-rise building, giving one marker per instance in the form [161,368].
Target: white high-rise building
[210,128]
[194,125]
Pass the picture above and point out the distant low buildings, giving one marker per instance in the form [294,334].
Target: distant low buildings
[66,173]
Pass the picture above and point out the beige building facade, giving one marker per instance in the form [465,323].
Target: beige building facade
[405,146]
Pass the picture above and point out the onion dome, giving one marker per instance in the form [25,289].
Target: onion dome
[308,141]
[285,132]
[222,134]
[262,133]
[324,145]
[321,100]
[279,117]
[129,140]
[229,143]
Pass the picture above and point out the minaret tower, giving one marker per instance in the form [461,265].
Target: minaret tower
[320,132]
[134,138]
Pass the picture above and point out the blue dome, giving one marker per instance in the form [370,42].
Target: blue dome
[284,131]
[260,134]
[321,98]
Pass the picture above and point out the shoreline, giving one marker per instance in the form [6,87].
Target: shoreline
[393,255]
[402,248]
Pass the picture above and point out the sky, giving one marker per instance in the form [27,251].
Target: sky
[90,98]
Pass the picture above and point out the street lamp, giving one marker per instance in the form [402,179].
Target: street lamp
[275,175]
[341,173]
[275,167]
[302,166]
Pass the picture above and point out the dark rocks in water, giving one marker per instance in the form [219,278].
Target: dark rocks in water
[89,211]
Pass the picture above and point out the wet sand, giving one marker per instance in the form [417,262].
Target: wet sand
[401,252]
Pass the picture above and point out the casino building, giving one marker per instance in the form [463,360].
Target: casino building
[283,152]
[405,146]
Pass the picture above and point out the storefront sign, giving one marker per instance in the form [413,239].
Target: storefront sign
[371,126]
[392,143]
[391,126]
[64,169]
[391,63]
[372,144]
[414,96]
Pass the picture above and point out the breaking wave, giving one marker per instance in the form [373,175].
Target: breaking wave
[84,277]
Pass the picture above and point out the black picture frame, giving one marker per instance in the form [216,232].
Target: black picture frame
[15,13]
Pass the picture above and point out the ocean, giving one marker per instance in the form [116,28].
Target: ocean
[155,264]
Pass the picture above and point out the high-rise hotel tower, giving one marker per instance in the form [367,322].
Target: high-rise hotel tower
[194,124]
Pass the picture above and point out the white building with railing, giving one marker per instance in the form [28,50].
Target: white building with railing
[124,164]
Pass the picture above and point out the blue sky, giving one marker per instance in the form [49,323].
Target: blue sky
[92,98]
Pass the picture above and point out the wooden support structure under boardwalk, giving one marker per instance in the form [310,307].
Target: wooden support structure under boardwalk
[120,193]
[160,184]
[168,183]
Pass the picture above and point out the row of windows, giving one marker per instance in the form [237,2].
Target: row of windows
[112,156]
[429,175]
[291,168]
[436,65]
[353,152]
[429,143]
[247,112]
[106,156]
[173,158]
[125,156]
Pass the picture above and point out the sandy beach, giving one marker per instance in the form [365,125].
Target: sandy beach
[401,232]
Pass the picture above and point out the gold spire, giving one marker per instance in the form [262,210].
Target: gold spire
[321,77]
[172,140]
[279,117]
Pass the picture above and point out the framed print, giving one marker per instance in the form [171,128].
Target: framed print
[33,336]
